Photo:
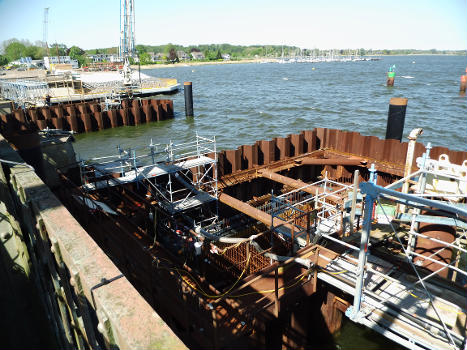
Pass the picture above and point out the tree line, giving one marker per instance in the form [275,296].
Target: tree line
[13,49]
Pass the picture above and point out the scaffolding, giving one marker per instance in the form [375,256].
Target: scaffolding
[309,217]
[24,92]
[189,170]
[414,307]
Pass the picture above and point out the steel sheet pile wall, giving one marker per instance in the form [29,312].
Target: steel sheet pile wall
[86,116]
[388,155]
[90,304]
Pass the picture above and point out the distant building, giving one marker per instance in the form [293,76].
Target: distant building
[182,55]
[103,57]
[51,60]
[226,57]
[197,55]
[156,57]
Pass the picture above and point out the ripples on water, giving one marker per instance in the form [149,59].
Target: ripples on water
[242,103]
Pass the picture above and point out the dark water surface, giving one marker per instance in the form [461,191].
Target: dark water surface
[242,103]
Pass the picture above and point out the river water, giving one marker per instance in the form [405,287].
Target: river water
[242,103]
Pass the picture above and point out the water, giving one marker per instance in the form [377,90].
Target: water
[242,103]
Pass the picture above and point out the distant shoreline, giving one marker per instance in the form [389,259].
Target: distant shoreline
[256,60]
[204,63]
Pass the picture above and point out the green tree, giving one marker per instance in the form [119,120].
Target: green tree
[14,51]
[167,48]
[173,55]
[140,49]
[145,58]
[75,52]
[78,54]
[362,52]
[58,50]
[3,60]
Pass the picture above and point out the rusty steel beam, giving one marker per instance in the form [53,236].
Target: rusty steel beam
[247,209]
[333,161]
[297,184]
[250,174]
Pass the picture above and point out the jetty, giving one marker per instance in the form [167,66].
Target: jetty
[37,89]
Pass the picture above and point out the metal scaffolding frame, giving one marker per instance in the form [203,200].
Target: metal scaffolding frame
[193,165]
[24,92]
[413,313]
[310,216]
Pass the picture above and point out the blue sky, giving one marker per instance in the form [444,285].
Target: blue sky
[377,24]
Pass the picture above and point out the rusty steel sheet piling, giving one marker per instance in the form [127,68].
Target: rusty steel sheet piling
[86,116]
[389,156]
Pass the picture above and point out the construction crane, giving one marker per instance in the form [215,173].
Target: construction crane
[127,37]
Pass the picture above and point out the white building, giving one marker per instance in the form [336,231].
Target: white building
[103,57]
[60,60]
[156,57]
[182,55]
[197,55]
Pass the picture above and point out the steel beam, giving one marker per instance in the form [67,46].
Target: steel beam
[247,209]
[334,161]
[297,184]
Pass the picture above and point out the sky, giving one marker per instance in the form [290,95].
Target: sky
[324,24]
